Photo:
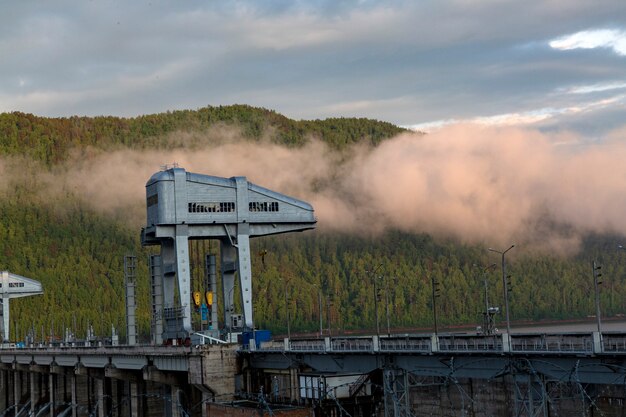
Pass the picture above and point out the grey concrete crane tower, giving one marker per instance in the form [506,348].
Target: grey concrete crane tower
[182,206]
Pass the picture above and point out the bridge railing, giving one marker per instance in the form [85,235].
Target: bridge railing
[406,344]
[349,344]
[577,343]
[614,342]
[566,342]
[308,345]
[470,343]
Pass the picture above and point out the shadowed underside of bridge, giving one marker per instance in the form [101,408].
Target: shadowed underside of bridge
[449,375]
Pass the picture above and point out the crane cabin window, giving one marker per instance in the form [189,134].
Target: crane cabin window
[153,200]
[260,206]
[218,207]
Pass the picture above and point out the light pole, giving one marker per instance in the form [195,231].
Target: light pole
[505,288]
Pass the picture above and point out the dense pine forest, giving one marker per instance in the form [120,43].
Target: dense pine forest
[77,252]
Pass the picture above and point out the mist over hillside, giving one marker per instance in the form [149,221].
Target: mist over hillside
[425,206]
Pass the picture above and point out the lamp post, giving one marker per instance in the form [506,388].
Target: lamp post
[505,288]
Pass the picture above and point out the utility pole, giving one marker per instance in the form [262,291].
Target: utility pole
[489,313]
[328,316]
[387,306]
[505,288]
[287,310]
[376,307]
[596,282]
[319,302]
[373,272]
[435,295]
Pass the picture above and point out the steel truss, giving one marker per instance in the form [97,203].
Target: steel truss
[526,391]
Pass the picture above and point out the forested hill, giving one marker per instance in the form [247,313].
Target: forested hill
[78,254]
[49,139]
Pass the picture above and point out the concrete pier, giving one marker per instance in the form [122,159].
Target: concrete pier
[122,382]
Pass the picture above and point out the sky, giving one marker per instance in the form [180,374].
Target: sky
[553,65]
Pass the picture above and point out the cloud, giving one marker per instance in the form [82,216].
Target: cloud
[477,184]
[591,39]
[539,116]
[400,61]
[595,88]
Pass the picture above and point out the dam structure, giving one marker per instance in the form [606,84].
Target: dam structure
[199,364]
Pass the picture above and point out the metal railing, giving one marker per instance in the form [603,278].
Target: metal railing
[406,344]
[614,342]
[578,343]
[470,343]
[561,343]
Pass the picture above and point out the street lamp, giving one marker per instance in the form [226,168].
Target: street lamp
[505,288]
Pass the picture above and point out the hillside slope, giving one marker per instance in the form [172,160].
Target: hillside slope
[77,251]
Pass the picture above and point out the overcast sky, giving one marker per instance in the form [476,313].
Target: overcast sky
[552,64]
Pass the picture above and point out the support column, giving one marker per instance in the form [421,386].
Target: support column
[35,391]
[74,395]
[156,282]
[245,275]
[52,392]
[294,393]
[86,389]
[100,398]
[103,403]
[4,389]
[121,398]
[137,390]
[206,398]
[176,405]
[130,390]
[228,263]
[17,389]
